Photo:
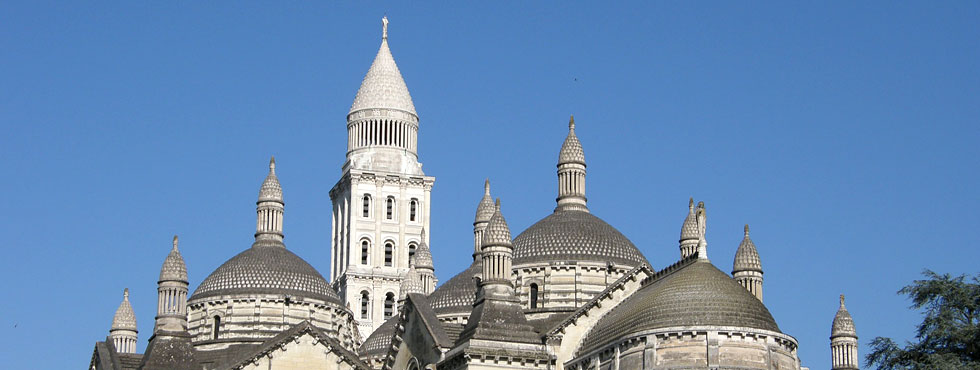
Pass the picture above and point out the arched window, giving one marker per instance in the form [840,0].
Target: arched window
[389,253]
[365,245]
[365,302]
[411,249]
[366,205]
[413,209]
[534,295]
[216,327]
[390,208]
[389,304]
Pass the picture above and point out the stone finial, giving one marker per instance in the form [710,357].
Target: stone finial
[702,219]
[126,294]
[384,27]
[175,243]
[690,203]
[571,123]
[746,229]
[272,164]
[842,302]
[486,186]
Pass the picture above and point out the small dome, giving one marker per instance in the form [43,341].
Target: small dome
[423,256]
[843,323]
[125,318]
[411,283]
[383,86]
[457,295]
[266,270]
[485,209]
[379,342]
[571,235]
[571,149]
[747,257]
[695,295]
[498,233]
[271,190]
[689,230]
[174,268]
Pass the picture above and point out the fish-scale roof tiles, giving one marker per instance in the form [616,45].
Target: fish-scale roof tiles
[174,268]
[571,149]
[747,257]
[689,229]
[271,190]
[458,293]
[383,86]
[571,235]
[266,270]
[125,318]
[843,323]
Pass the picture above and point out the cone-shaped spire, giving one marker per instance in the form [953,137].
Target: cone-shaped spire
[689,231]
[412,281]
[269,210]
[746,257]
[498,233]
[843,323]
[571,173]
[383,86]
[174,268]
[125,318]
[485,209]
[423,256]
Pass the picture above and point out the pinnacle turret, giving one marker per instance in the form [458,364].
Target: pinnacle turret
[571,173]
[843,341]
[123,330]
[485,209]
[269,210]
[174,268]
[747,267]
[383,86]
[172,294]
[689,231]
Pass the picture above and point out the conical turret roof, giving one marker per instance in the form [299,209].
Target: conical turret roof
[423,256]
[125,318]
[174,268]
[843,323]
[383,86]
[485,210]
[747,257]
[498,233]
[411,283]
[271,190]
[689,230]
[571,149]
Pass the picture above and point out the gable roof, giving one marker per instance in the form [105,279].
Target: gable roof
[298,330]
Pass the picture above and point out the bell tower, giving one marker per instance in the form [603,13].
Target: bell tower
[381,202]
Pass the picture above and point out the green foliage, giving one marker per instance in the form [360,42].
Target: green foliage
[949,335]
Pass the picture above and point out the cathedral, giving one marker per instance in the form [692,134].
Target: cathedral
[570,292]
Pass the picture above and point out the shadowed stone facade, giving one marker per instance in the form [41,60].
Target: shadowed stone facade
[570,292]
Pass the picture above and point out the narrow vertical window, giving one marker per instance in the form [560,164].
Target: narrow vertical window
[365,302]
[389,305]
[390,208]
[364,252]
[389,253]
[216,327]
[534,295]
[413,208]
[411,250]
[366,205]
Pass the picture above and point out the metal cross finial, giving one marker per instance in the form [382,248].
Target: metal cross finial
[384,27]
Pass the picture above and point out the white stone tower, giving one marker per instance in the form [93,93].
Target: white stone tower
[747,267]
[381,203]
[172,294]
[843,341]
[123,330]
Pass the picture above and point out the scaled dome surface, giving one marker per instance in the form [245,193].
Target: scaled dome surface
[458,294]
[267,270]
[571,235]
[697,295]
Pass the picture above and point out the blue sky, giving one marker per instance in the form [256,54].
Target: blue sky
[844,133]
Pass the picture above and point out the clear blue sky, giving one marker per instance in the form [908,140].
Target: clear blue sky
[845,134]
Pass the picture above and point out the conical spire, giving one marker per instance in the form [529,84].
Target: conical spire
[746,257]
[412,281]
[485,209]
[174,268]
[383,86]
[571,149]
[269,210]
[571,173]
[498,233]
[843,323]
[125,318]
[423,256]
[689,231]
[271,191]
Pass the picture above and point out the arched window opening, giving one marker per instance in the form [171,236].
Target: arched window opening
[390,208]
[413,209]
[364,251]
[534,295]
[365,302]
[389,305]
[411,250]
[216,327]
[389,253]
[366,205]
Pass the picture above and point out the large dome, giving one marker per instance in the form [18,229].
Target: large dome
[458,294]
[696,295]
[571,235]
[267,270]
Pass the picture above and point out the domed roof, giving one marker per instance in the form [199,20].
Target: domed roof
[266,270]
[411,283]
[458,294]
[747,257]
[843,323]
[694,295]
[485,209]
[571,149]
[689,230]
[271,190]
[497,233]
[125,318]
[572,235]
[383,86]
[379,342]
[174,268]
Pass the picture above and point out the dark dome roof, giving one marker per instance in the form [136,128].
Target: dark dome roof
[267,270]
[378,343]
[696,295]
[458,294]
[570,235]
